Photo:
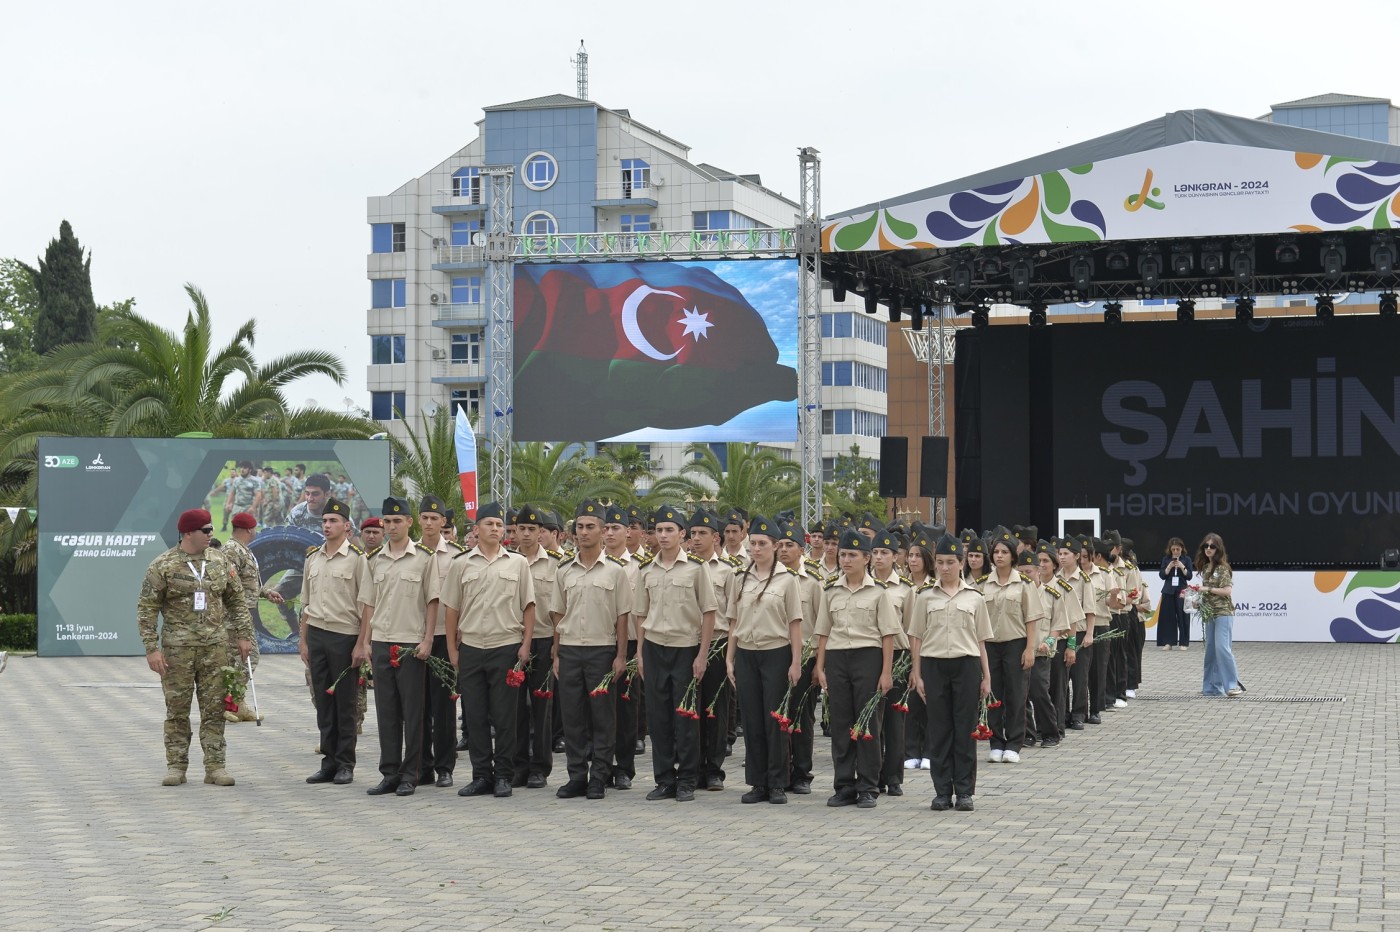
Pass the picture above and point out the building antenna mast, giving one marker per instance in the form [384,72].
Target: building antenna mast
[580,63]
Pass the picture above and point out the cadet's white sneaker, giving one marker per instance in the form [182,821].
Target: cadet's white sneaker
[1131,693]
[995,756]
[1011,757]
[912,764]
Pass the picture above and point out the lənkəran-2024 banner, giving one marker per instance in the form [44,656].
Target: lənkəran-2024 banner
[108,507]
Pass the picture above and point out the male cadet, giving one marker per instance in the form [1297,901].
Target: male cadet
[490,599]
[809,585]
[1079,648]
[636,532]
[736,536]
[404,603]
[449,530]
[242,490]
[439,714]
[816,543]
[591,604]
[245,530]
[198,593]
[675,612]
[629,690]
[534,722]
[883,549]
[714,685]
[371,534]
[336,600]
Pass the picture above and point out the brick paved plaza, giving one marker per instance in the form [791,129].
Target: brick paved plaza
[1177,812]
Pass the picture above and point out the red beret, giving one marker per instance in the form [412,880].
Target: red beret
[371,522]
[244,520]
[193,520]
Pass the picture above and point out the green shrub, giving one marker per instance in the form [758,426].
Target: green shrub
[19,632]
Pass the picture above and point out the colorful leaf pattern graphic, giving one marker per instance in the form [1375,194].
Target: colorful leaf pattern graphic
[1363,189]
[1377,618]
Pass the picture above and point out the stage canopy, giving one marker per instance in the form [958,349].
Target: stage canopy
[1195,203]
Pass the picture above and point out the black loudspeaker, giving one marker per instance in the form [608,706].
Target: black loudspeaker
[894,467]
[933,468]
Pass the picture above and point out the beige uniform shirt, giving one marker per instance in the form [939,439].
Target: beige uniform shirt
[809,586]
[1013,606]
[859,617]
[630,565]
[336,585]
[721,580]
[490,596]
[1100,582]
[1064,612]
[759,616]
[1080,590]
[948,625]
[442,562]
[403,588]
[587,601]
[899,590]
[544,567]
[672,601]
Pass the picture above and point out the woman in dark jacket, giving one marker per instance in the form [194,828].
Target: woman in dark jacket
[1173,624]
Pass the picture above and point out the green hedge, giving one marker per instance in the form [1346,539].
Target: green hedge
[19,632]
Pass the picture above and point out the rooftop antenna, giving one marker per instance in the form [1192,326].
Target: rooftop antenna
[580,63]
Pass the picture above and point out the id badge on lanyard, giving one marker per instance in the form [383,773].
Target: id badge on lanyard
[201,597]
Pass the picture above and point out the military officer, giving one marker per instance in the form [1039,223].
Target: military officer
[245,531]
[198,594]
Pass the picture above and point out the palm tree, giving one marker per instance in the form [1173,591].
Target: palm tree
[629,462]
[757,479]
[427,461]
[556,477]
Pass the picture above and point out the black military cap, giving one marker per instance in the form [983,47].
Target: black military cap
[589,509]
[1114,538]
[394,506]
[735,516]
[788,531]
[1126,543]
[761,525]
[670,514]
[967,536]
[1084,543]
[1047,546]
[935,531]
[1102,547]
[885,540]
[870,522]
[634,513]
[431,504]
[614,514]
[490,510]
[1026,533]
[1002,535]
[1026,558]
[450,515]
[976,545]
[335,506]
[948,545]
[704,518]
[553,521]
[852,539]
[528,514]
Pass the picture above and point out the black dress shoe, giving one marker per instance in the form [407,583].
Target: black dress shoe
[558,746]
[387,785]
[894,789]
[478,787]
[1050,743]
[801,787]
[321,776]
[462,744]
[571,790]
[640,747]
[777,797]
[964,804]
[595,790]
[503,788]
[343,776]
[663,791]
[536,781]
[621,781]
[685,794]
[865,801]
[843,797]
[1094,720]
[445,778]
[426,778]
[942,803]
[1076,725]
[714,785]
[758,794]
[519,780]
[406,788]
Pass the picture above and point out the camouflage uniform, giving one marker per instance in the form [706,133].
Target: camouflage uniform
[244,489]
[273,513]
[246,566]
[194,644]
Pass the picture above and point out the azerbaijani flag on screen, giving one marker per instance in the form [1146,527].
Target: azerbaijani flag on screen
[606,349]
[466,463]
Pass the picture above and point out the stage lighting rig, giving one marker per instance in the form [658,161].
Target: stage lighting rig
[1022,270]
[962,279]
[872,301]
[1383,254]
[1037,316]
[1182,260]
[1081,269]
[916,316]
[1333,258]
[1244,309]
[1113,313]
[1116,260]
[1185,310]
[1242,262]
[1286,252]
[1388,304]
[838,288]
[1150,266]
[896,309]
[1325,307]
[1212,259]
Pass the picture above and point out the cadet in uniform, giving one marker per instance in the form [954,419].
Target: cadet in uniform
[591,604]
[855,655]
[716,693]
[948,627]
[335,608]
[883,553]
[534,722]
[804,701]
[200,606]
[1078,648]
[489,596]
[439,758]
[675,612]
[404,608]
[764,657]
[1014,608]
[624,769]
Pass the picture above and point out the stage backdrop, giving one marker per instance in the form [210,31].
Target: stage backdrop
[108,507]
[656,351]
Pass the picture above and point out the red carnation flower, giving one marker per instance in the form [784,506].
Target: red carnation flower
[455,696]
[867,737]
[330,691]
[361,681]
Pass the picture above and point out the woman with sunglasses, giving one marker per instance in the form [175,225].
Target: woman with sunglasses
[1217,618]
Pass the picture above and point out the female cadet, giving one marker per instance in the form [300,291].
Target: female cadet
[763,657]
[1014,607]
[1065,613]
[884,554]
[916,728]
[975,559]
[855,652]
[948,625]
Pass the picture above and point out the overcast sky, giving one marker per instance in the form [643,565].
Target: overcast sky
[234,146]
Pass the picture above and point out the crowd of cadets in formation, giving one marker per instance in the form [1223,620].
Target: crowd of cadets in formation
[272,496]
[588,637]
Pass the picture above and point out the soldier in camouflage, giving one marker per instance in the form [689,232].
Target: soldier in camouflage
[196,590]
[245,530]
[242,490]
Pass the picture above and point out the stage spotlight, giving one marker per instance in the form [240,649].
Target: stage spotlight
[1150,267]
[1390,558]
[896,308]
[962,279]
[1182,260]
[1210,289]
[1383,254]
[916,316]
[1212,259]
[1286,252]
[1117,260]
[1388,304]
[1081,269]
[872,301]
[1113,313]
[838,289]
[1037,315]
[1289,286]
[1244,309]
[1021,272]
[1333,257]
[979,317]
[989,268]
[1242,263]
[1185,310]
[1325,307]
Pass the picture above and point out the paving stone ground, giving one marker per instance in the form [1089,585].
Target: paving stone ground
[1176,813]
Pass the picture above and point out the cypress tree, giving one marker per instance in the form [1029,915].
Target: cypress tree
[67,311]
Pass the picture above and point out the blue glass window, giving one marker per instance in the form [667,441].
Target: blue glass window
[466,347]
[462,231]
[636,176]
[540,171]
[635,223]
[387,237]
[386,406]
[386,349]
[540,224]
[388,292]
[466,182]
[466,290]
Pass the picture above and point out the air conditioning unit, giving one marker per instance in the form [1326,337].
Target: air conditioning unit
[439,354]
[435,298]
[439,241]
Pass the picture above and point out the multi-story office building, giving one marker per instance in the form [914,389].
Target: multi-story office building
[579,168]
[1373,118]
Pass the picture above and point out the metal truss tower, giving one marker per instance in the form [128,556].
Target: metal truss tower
[809,336]
[939,350]
[500,275]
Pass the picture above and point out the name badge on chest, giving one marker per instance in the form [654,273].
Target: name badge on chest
[201,600]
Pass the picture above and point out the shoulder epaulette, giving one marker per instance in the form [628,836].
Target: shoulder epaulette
[358,549]
[1024,577]
[619,561]
[906,580]
[982,579]
[810,562]
[554,553]
[460,555]
[1084,576]
[928,584]
[374,551]
[881,583]
[643,561]
[1053,591]
[1120,571]
[460,548]
[786,570]
[693,558]
[424,547]
[311,550]
[1131,566]
[1064,584]
[830,583]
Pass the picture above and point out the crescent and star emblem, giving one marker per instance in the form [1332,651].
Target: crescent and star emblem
[696,324]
